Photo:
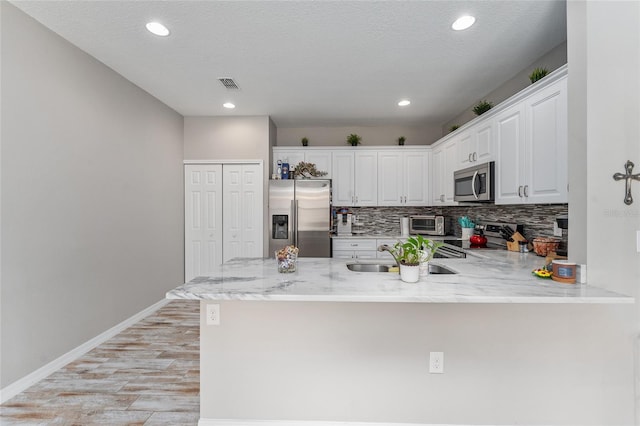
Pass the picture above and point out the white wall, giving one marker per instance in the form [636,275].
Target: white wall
[92,222]
[371,136]
[551,60]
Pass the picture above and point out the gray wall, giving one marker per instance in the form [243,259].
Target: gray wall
[503,364]
[552,60]
[92,222]
[371,136]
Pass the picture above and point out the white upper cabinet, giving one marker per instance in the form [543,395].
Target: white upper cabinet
[546,176]
[444,163]
[531,145]
[475,145]
[322,159]
[342,185]
[510,155]
[403,178]
[355,178]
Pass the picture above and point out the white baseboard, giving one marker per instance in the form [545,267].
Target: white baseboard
[29,380]
[236,422]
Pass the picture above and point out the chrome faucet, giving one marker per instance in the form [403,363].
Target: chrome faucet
[386,247]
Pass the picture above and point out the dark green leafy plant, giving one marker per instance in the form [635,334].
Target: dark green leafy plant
[304,141]
[415,250]
[401,140]
[354,140]
[482,107]
[537,74]
[454,128]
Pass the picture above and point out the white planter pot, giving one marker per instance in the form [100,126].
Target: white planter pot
[409,274]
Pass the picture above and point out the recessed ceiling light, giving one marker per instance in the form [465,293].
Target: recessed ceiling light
[463,22]
[228,105]
[404,102]
[158,29]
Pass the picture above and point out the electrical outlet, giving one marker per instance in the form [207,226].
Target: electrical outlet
[213,314]
[557,231]
[436,362]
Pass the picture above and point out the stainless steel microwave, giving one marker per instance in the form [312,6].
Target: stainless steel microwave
[429,225]
[475,183]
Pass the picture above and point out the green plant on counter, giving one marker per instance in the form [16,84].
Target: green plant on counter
[482,107]
[304,141]
[354,140]
[401,140]
[537,74]
[454,128]
[414,251]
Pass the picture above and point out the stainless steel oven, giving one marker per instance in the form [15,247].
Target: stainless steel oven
[474,183]
[429,225]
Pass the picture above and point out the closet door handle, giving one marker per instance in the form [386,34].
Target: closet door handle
[520,191]
[526,190]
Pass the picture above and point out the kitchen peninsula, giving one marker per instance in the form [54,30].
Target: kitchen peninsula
[326,344]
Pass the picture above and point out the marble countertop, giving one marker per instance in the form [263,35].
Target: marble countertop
[487,276]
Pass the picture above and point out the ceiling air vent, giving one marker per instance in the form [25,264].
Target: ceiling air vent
[229,83]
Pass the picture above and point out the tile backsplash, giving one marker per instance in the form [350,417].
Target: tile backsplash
[537,219]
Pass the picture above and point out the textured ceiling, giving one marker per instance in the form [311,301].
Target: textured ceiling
[320,63]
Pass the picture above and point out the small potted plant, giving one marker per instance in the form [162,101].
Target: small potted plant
[482,107]
[401,140]
[454,128]
[304,141]
[412,254]
[537,74]
[354,140]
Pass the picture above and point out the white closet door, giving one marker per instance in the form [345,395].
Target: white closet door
[242,211]
[203,219]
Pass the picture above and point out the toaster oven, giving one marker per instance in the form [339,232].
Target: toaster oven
[429,225]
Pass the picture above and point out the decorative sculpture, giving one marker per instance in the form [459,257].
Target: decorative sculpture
[628,177]
[308,170]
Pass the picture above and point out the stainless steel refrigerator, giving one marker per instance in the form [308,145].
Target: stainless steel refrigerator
[300,214]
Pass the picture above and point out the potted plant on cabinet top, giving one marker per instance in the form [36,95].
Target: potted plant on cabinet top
[304,141]
[401,140]
[537,74]
[353,139]
[482,107]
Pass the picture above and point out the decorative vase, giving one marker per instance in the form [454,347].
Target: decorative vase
[466,234]
[409,273]
[424,270]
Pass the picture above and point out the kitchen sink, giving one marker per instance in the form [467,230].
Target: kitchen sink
[375,267]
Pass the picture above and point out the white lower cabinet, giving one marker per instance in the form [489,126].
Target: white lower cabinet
[348,248]
[223,215]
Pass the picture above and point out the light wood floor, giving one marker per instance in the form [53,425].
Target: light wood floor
[146,375]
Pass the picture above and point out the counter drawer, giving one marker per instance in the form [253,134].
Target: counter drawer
[354,254]
[346,244]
